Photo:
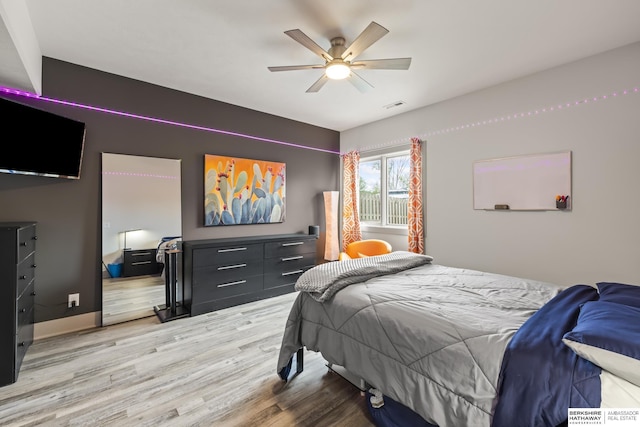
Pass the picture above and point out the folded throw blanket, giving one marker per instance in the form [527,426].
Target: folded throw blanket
[324,280]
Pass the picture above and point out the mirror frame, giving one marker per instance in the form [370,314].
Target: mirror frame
[141,206]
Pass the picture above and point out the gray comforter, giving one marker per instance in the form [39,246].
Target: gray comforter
[431,337]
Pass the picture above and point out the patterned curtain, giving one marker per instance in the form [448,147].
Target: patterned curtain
[416,221]
[350,217]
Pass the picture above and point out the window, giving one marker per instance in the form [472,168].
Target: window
[384,189]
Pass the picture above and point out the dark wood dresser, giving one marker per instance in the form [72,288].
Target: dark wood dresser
[139,262]
[220,273]
[17,295]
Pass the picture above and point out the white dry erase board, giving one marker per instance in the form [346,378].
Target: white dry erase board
[529,182]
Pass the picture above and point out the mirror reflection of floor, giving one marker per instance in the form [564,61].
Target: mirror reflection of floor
[130,298]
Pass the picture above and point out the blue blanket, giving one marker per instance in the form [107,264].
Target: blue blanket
[540,376]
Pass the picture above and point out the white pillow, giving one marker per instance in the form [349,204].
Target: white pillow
[623,366]
[608,334]
[618,393]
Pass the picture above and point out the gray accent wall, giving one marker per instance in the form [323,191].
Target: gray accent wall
[68,212]
[598,240]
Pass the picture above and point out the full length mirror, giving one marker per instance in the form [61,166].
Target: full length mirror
[141,219]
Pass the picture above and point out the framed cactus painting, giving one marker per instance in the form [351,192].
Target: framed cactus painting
[243,191]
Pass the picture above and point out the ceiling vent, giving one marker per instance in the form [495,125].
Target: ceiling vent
[394,105]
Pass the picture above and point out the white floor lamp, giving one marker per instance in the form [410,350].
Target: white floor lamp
[332,244]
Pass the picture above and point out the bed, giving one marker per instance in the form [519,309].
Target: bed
[462,347]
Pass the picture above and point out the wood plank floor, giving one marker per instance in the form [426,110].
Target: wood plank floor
[216,369]
[130,298]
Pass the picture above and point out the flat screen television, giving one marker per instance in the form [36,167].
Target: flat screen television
[37,142]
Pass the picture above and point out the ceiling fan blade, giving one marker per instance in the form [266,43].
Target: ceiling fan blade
[318,84]
[369,36]
[383,64]
[295,67]
[361,84]
[306,41]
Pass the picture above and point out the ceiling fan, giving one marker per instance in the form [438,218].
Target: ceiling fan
[339,60]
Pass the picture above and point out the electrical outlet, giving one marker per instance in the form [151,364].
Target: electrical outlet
[74,300]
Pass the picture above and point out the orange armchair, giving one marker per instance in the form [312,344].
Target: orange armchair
[365,248]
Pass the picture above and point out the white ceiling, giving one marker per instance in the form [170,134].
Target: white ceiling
[221,49]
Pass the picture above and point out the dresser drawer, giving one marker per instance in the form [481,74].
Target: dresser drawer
[25,326]
[285,271]
[288,263]
[26,273]
[26,242]
[275,280]
[140,255]
[288,248]
[240,286]
[24,306]
[225,255]
[226,273]
[24,338]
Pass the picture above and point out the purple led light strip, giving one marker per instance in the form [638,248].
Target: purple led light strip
[145,175]
[508,117]
[423,136]
[153,119]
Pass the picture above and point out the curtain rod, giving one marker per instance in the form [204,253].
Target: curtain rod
[389,144]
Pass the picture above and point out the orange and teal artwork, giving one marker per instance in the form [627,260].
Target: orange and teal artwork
[243,191]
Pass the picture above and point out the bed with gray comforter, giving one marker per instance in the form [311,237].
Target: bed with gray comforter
[429,336]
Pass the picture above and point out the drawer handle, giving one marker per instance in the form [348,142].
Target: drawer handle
[23,277]
[33,266]
[289,273]
[23,243]
[292,258]
[231,250]
[239,282]
[227,267]
[141,263]
[23,310]
[141,254]
[35,237]
[293,244]
[21,344]
[33,293]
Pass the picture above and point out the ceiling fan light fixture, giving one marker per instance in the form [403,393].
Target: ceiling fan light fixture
[337,71]
[339,59]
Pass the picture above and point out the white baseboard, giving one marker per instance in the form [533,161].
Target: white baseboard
[66,325]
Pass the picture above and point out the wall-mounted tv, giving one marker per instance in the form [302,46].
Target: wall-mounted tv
[41,143]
